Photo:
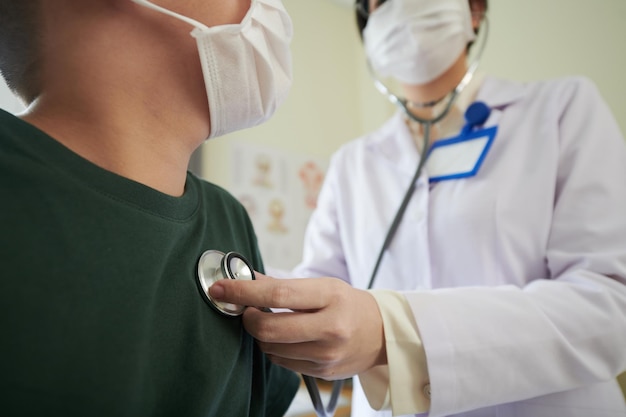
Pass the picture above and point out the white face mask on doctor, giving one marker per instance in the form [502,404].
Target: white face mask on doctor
[416,41]
[246,66]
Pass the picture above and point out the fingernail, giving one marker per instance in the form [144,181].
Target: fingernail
[216,291]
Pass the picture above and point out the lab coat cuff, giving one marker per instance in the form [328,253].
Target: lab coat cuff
[375,384]
[403,384]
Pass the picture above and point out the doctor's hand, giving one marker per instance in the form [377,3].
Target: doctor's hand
[334,331]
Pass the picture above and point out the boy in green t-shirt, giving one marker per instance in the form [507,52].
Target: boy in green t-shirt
[102,225]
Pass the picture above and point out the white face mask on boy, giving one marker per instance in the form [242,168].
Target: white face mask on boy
[416,41]
[246,66]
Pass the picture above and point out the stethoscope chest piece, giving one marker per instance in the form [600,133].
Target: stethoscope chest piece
[214,266]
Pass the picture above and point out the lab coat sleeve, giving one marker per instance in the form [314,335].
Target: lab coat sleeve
[402,384]
[495,345]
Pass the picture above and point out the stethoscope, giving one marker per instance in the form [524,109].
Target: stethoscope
[475,115]
[215,265]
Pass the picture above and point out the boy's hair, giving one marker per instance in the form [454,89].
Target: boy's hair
[19,47]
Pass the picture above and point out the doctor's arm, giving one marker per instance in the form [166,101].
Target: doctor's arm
[336,331]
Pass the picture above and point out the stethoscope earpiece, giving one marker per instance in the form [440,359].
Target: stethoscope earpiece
[214,266]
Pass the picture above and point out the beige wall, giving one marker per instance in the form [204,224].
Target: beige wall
[333,100]
[535,39]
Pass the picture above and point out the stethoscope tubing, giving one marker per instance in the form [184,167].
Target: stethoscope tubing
[316,399]
[402,209]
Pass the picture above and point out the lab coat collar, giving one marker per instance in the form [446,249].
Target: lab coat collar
[498,93]
[393,141]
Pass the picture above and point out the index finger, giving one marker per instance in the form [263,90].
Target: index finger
[294,293]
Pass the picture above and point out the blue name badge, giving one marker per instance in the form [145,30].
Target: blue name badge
[460,156]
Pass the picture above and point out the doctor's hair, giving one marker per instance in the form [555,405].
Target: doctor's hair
[362,9]
[19,47]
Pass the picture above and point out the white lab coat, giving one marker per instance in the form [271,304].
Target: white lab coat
[516,276]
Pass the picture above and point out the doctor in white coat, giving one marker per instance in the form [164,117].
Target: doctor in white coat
[509,264]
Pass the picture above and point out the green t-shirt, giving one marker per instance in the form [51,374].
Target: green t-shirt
[100,313]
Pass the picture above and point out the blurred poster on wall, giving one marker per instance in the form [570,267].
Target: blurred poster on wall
[279,190]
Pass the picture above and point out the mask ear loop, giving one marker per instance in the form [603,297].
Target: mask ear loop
[163,10]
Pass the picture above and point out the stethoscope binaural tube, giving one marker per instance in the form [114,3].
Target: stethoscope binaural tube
[215,265]
[405,104]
